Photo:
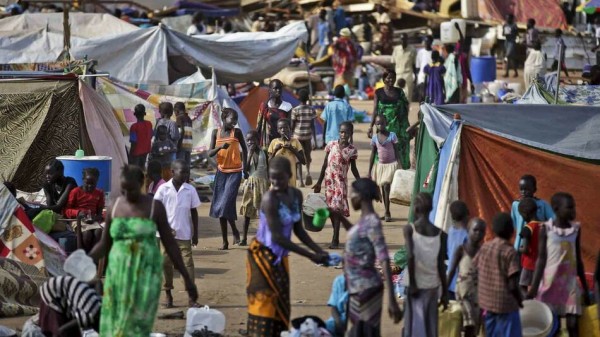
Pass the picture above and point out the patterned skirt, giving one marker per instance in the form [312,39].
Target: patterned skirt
[364,311]
[268,291]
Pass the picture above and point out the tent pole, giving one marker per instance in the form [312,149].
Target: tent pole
[310,91]
[558,69]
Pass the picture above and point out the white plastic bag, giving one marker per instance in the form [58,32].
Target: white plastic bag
[313,202]
[80,266]
[205,317]
[402,186]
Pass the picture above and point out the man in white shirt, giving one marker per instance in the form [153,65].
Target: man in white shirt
[404,58]
[423,59]
[180,200]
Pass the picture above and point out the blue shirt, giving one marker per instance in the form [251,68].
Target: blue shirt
[336,112]
[456,237]
[339,18]
[544,213]
[323,29]
[338,299]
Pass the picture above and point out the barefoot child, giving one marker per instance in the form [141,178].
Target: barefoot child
[559,264]
[365,245]
[383,145]
[339,156]
[457,236]
[287,147]
[256,184]
[529,242]
[426,248]
[497,267]
[225,143]
[180,200]
[303,124]
[466,284]
[527,189]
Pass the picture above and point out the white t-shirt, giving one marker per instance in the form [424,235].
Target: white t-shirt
[193,30]
[423,59]
[178,205]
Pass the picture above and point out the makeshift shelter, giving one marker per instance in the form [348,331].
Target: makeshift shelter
[567,94]
[251,104]
[27,257]
[41,119]
[480,158]
[547,13]
[154,55]
[203,100]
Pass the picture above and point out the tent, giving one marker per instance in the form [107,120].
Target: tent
[481,157]
[27,257]
[203,99]
[547,13]
[251,103]
[41,119]
[155,55]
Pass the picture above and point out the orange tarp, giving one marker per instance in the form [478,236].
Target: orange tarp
[490,169]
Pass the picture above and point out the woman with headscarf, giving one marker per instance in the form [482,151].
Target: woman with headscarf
[270,112]
[344,59]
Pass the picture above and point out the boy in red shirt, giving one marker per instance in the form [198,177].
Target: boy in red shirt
[529,241]
[140,137]
[86,204]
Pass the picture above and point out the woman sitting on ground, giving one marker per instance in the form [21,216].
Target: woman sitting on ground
[86,204]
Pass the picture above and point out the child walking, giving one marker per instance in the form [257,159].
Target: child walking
[287,147]
[457,236]
[559,264]
[340,155]
[256,184]
[529,242]
[336,112]
[426,248]
[383,145]
[435,92]
[184,126]
[180,200]
[163,151]
[527,189]
[140,138]
[466,284]
[497,267]
[225,143]
[303,124]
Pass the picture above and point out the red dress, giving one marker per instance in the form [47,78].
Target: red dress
[80,200]
[336,175]
[529,258]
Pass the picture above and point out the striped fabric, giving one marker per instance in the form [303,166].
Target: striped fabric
[73,298]
[364,312]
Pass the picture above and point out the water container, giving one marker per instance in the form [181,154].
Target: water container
[469,9]
[483,69]
[536,319]
[74,168]
[80,266]
[198,319]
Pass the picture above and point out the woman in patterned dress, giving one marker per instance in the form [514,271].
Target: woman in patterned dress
[339,156]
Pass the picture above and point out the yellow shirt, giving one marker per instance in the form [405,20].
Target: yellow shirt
[289,154]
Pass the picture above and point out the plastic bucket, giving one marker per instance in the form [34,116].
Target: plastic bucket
[483,69]
[536,319]
[74,168]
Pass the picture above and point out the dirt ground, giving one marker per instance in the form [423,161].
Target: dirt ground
[221,275]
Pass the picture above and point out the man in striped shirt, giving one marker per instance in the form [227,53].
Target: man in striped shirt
[67,306]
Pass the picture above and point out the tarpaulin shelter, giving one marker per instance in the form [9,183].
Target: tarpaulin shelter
[156,55]
[480,158]
[257,95]
[547,13]
[567,94]
[41,119]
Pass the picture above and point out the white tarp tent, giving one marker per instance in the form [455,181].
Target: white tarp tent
[152,55]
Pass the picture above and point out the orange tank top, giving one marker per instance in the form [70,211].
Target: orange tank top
[229,160]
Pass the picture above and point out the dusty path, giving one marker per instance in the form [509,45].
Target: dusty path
[221,275]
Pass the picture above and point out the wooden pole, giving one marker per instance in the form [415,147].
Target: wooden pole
[66,33]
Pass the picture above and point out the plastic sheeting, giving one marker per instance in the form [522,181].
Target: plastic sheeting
[104,131]
[151,55]
[547,13]
[573,132]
